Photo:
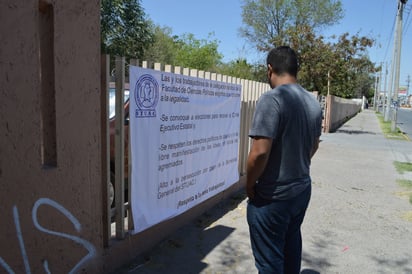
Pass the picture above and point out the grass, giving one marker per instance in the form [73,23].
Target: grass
[402,167]
[408,216]
[405,183]
[386,128]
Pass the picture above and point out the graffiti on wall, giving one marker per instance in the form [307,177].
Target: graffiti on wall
[76,224]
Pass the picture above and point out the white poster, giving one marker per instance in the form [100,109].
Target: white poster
[184,141]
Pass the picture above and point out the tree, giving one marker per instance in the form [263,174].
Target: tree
[271,23]
[164,47]
[238,68]
[124,28]
[345,60]
[316,13]
[184,51]
[315,57]
[351,67]
[199,54]
[267,21]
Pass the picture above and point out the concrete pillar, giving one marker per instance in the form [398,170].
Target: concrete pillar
[50,137]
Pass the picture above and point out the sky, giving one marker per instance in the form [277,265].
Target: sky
[223,18]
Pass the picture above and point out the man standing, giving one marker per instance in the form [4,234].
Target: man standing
[285,131]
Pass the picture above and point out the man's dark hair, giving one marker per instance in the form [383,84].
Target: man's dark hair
[283,60]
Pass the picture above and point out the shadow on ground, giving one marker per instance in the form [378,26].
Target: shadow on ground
[321,259]
[184,250]
[348,131]
[309,271]
[386,264]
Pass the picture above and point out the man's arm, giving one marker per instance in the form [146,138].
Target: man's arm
[315,147]
[256,162]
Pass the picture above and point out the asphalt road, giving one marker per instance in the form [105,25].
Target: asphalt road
[404,120]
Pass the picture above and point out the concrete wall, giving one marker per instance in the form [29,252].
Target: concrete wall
[338,111]
[50,152]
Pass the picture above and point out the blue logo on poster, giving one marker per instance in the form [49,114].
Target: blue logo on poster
[146,95]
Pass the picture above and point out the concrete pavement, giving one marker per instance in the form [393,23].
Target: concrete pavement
[359,219]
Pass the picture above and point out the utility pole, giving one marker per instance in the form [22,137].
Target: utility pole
[408,80]
[390,90]
[379,89]
[398,47]
[386,95]
[380,83]
[375,92]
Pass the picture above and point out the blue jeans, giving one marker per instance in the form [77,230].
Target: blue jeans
[275,235]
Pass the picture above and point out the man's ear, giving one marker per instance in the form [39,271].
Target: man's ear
[270,70]
[269,75]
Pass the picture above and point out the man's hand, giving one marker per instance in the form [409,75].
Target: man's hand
[250,191]
[256,163]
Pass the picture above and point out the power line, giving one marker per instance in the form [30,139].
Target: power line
[407,23]
[390,37]
[383,11]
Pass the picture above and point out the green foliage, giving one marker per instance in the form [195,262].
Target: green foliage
[238,68]
[403,167]
[265,22]
[352,68]
[126,32]
[164,47]
[387,129]
[316,13]
[184,51]
[405,183]
[199,54]
[124,28]
[270,23]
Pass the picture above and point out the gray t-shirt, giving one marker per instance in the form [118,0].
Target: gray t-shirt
[292,117]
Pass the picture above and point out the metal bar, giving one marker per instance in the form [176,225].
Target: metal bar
[105,151]
[119,147]
[130,223]
[113,210]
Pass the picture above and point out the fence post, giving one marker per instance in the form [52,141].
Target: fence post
[130,222]
[158,66]
[105,148]
[224,78]
[186,71]
[193,73]
[119,147]
[168,68]
[244,119]
[207,75]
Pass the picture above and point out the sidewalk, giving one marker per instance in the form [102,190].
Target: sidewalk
[357,221]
